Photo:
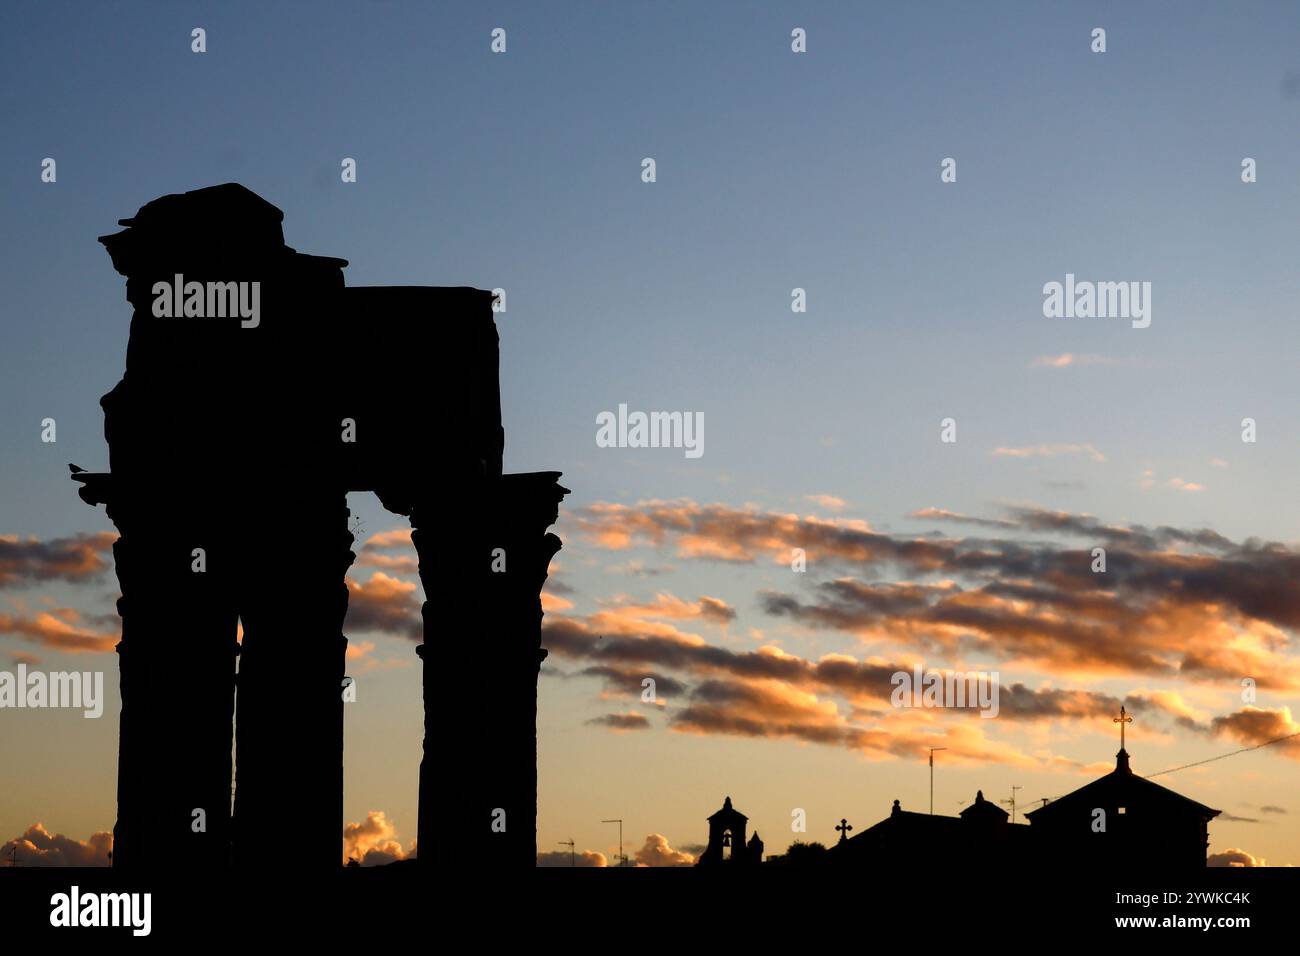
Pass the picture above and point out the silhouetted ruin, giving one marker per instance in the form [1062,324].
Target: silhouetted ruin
[260,390]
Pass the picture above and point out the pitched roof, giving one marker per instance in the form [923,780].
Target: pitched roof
[1121,787]
[981,809]
[909,824]
[728,811]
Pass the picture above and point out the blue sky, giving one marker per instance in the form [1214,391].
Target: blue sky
[775,171]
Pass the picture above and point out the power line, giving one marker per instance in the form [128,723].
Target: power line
[1197,763]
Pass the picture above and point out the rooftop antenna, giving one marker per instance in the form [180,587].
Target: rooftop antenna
[932,750]
[622,860]
[570,844]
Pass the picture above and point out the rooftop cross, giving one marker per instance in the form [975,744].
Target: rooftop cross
[1122,719]
[844,828]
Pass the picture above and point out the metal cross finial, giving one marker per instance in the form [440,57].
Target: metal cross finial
[844,829]
[1122,719]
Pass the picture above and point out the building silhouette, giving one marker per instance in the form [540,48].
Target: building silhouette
[1118,819]
[259,390]
[1142,821]
[981,832]
[727,843]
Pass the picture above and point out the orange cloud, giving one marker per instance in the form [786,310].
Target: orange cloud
[829,502]
[1050,451]
[775,710]
[359,649]
[553,602]
[837,700]
[373,842]
[1234,857]
[74,559]
[621,722]
[657,852]
[1254,726]
[1068,359]
[38,847]
[60,629]
[1172,601]
[398,539]
[385,604]
[399,564]
[943,514]
[671,607]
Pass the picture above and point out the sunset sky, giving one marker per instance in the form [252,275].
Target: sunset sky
[775,171]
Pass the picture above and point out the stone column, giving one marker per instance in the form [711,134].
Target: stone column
[204,424]
[483,569]
[289,736]
[177,665]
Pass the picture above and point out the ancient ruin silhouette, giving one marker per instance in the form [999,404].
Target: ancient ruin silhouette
[259,390]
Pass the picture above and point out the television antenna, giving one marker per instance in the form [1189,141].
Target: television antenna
[932,751]
[622,860]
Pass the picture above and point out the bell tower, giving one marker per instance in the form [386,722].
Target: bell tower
[727,839]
